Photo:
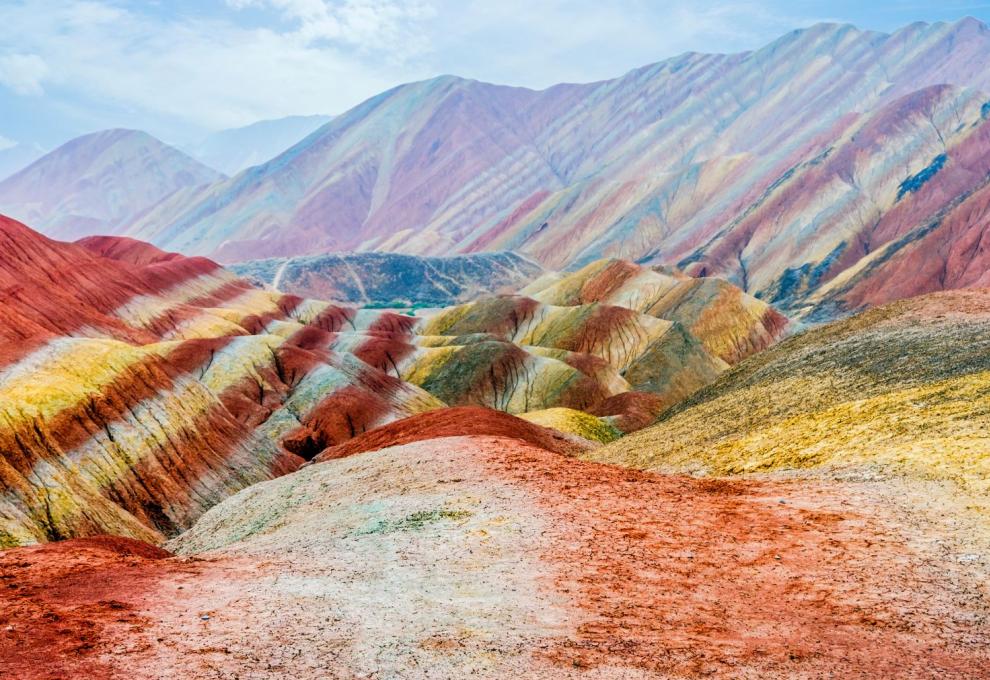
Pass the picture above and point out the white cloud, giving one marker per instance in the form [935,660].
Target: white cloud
[367,25]
[23,73]
[232,62]
[6,143]
[205,68]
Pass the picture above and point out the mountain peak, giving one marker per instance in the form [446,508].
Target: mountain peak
[91,183]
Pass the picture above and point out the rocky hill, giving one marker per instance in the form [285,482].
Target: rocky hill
[389,279]
[898,391]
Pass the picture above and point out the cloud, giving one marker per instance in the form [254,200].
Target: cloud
[6,143]
[23,73]
[210,69]
[227,63]
[367,25]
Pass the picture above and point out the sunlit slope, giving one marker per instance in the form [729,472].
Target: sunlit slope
[903,388]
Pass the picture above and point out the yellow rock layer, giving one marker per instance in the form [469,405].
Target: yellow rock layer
[574,422]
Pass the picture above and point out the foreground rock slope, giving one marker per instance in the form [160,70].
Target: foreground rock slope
[491,557]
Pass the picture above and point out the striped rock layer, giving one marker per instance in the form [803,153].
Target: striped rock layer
[729,323]
[828,171]
[901,390]
[138,387]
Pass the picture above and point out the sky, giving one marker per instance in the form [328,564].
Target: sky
[182,68]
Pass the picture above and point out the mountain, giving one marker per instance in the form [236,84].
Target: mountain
[17,157]
[393,279]
[808,172]
[92,184]
[140,387]
[895,392]
[231,151]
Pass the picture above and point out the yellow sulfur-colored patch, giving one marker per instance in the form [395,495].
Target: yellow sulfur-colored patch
[62,374]
[574,422]
[939,431]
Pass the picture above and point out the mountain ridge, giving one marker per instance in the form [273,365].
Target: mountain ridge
[94,183]
[648,166]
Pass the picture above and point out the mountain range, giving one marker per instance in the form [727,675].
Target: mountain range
[831,170]
[681,374]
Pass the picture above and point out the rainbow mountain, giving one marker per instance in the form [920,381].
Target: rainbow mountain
[138,387]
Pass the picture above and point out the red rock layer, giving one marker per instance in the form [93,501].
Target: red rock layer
[453,422]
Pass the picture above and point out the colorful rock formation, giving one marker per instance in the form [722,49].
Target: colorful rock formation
[730,324]
[138,387]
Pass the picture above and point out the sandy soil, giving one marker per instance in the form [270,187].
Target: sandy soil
[489,557]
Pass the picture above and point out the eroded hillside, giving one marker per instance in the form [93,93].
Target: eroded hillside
[138,388]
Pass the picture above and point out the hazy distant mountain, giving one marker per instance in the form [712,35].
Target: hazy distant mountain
[91,184]
[17,157]
[231,151]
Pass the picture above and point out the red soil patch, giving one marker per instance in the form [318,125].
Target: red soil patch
[384,352]
[453,422]
[61,604]
[696,577]
[633,410]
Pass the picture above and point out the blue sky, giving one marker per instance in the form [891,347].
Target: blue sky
[180,68]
